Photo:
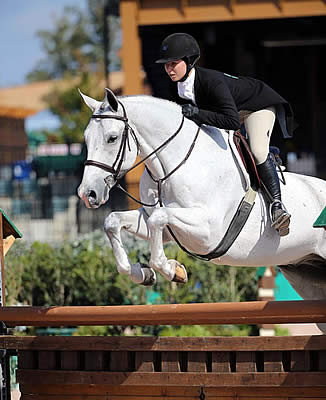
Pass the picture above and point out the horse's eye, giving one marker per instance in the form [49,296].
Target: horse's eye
[112,138]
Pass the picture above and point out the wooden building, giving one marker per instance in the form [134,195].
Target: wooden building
[13,143]
[16,104]
[279,41]
[140,13]
[20,102]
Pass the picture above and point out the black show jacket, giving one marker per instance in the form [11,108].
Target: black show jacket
[220,97]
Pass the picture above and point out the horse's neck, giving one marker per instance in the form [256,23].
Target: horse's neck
[156,124]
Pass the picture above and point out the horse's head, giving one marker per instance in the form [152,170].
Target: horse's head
[111,148]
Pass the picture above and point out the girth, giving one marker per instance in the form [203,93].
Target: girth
[242,213]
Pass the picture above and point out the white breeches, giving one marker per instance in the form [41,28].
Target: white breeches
[259,126]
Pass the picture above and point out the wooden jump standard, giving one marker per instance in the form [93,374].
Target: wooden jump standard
[255,312]
[169,368]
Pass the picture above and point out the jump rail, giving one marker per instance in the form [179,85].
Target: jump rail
[255,312]
[193,368]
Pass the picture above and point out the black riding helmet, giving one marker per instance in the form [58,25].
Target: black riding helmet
[179,46]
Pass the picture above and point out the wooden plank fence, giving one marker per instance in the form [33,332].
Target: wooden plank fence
[170,368]
[251,312]
[157,368]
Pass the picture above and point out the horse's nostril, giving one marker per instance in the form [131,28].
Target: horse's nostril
[92,194]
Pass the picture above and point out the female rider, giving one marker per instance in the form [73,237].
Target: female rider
[214,98]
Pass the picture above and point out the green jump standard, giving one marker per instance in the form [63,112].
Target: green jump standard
[9,228]
[321,220]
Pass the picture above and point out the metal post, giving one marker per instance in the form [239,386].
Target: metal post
[106,42]
[4,355]
[5,392]
[2,264]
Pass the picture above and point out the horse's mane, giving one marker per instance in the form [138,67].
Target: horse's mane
[144,98]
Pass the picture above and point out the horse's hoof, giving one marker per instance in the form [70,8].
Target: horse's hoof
[150,276]
[181,275]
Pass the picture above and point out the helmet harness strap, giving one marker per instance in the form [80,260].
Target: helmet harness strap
[189,67]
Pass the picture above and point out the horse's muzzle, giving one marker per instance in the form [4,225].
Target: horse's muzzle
[89,197]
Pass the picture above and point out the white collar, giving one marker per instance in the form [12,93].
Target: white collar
[186,88]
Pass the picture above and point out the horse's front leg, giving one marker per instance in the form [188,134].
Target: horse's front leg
[135,222]
[188,220]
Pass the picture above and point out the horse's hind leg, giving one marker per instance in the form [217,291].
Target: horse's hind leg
[135,222]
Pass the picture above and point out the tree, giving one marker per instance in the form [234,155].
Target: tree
[77,50]
[69,47]
[104,18]
[68,106]
[77,41]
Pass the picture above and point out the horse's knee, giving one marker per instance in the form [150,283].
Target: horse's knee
[124,269]
[111,223]
[158,219]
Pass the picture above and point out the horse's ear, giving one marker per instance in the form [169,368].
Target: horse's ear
[111,99]
[91,103]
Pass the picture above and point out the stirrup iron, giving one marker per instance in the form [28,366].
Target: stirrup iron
[282,221]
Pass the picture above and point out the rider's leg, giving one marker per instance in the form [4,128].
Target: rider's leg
[268,175]
[259,126]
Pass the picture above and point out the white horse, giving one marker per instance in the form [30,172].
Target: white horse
[197,183]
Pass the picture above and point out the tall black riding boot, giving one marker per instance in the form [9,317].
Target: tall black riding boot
[268,175]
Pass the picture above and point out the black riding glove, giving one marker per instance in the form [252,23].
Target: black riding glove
[188,110]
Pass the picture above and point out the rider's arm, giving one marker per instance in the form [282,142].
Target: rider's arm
[222,111]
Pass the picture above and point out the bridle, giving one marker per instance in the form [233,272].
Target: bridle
[236,223]
[115,168]
[116,171]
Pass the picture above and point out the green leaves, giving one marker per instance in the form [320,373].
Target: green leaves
[68,46]
[78,40]
[84,272]
[77,50]
[68,106]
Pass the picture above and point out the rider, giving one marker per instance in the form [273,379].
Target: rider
[214,98]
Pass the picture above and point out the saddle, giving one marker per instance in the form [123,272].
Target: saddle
[240,146]
[248,158]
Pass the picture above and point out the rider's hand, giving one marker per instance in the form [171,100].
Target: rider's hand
[188,110]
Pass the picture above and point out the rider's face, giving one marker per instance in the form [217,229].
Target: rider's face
[176,69]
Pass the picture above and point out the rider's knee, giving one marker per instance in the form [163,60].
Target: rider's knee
[260,155]
[111,223]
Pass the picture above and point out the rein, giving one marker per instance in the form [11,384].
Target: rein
[239,218]
[122,150]
[159,181]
